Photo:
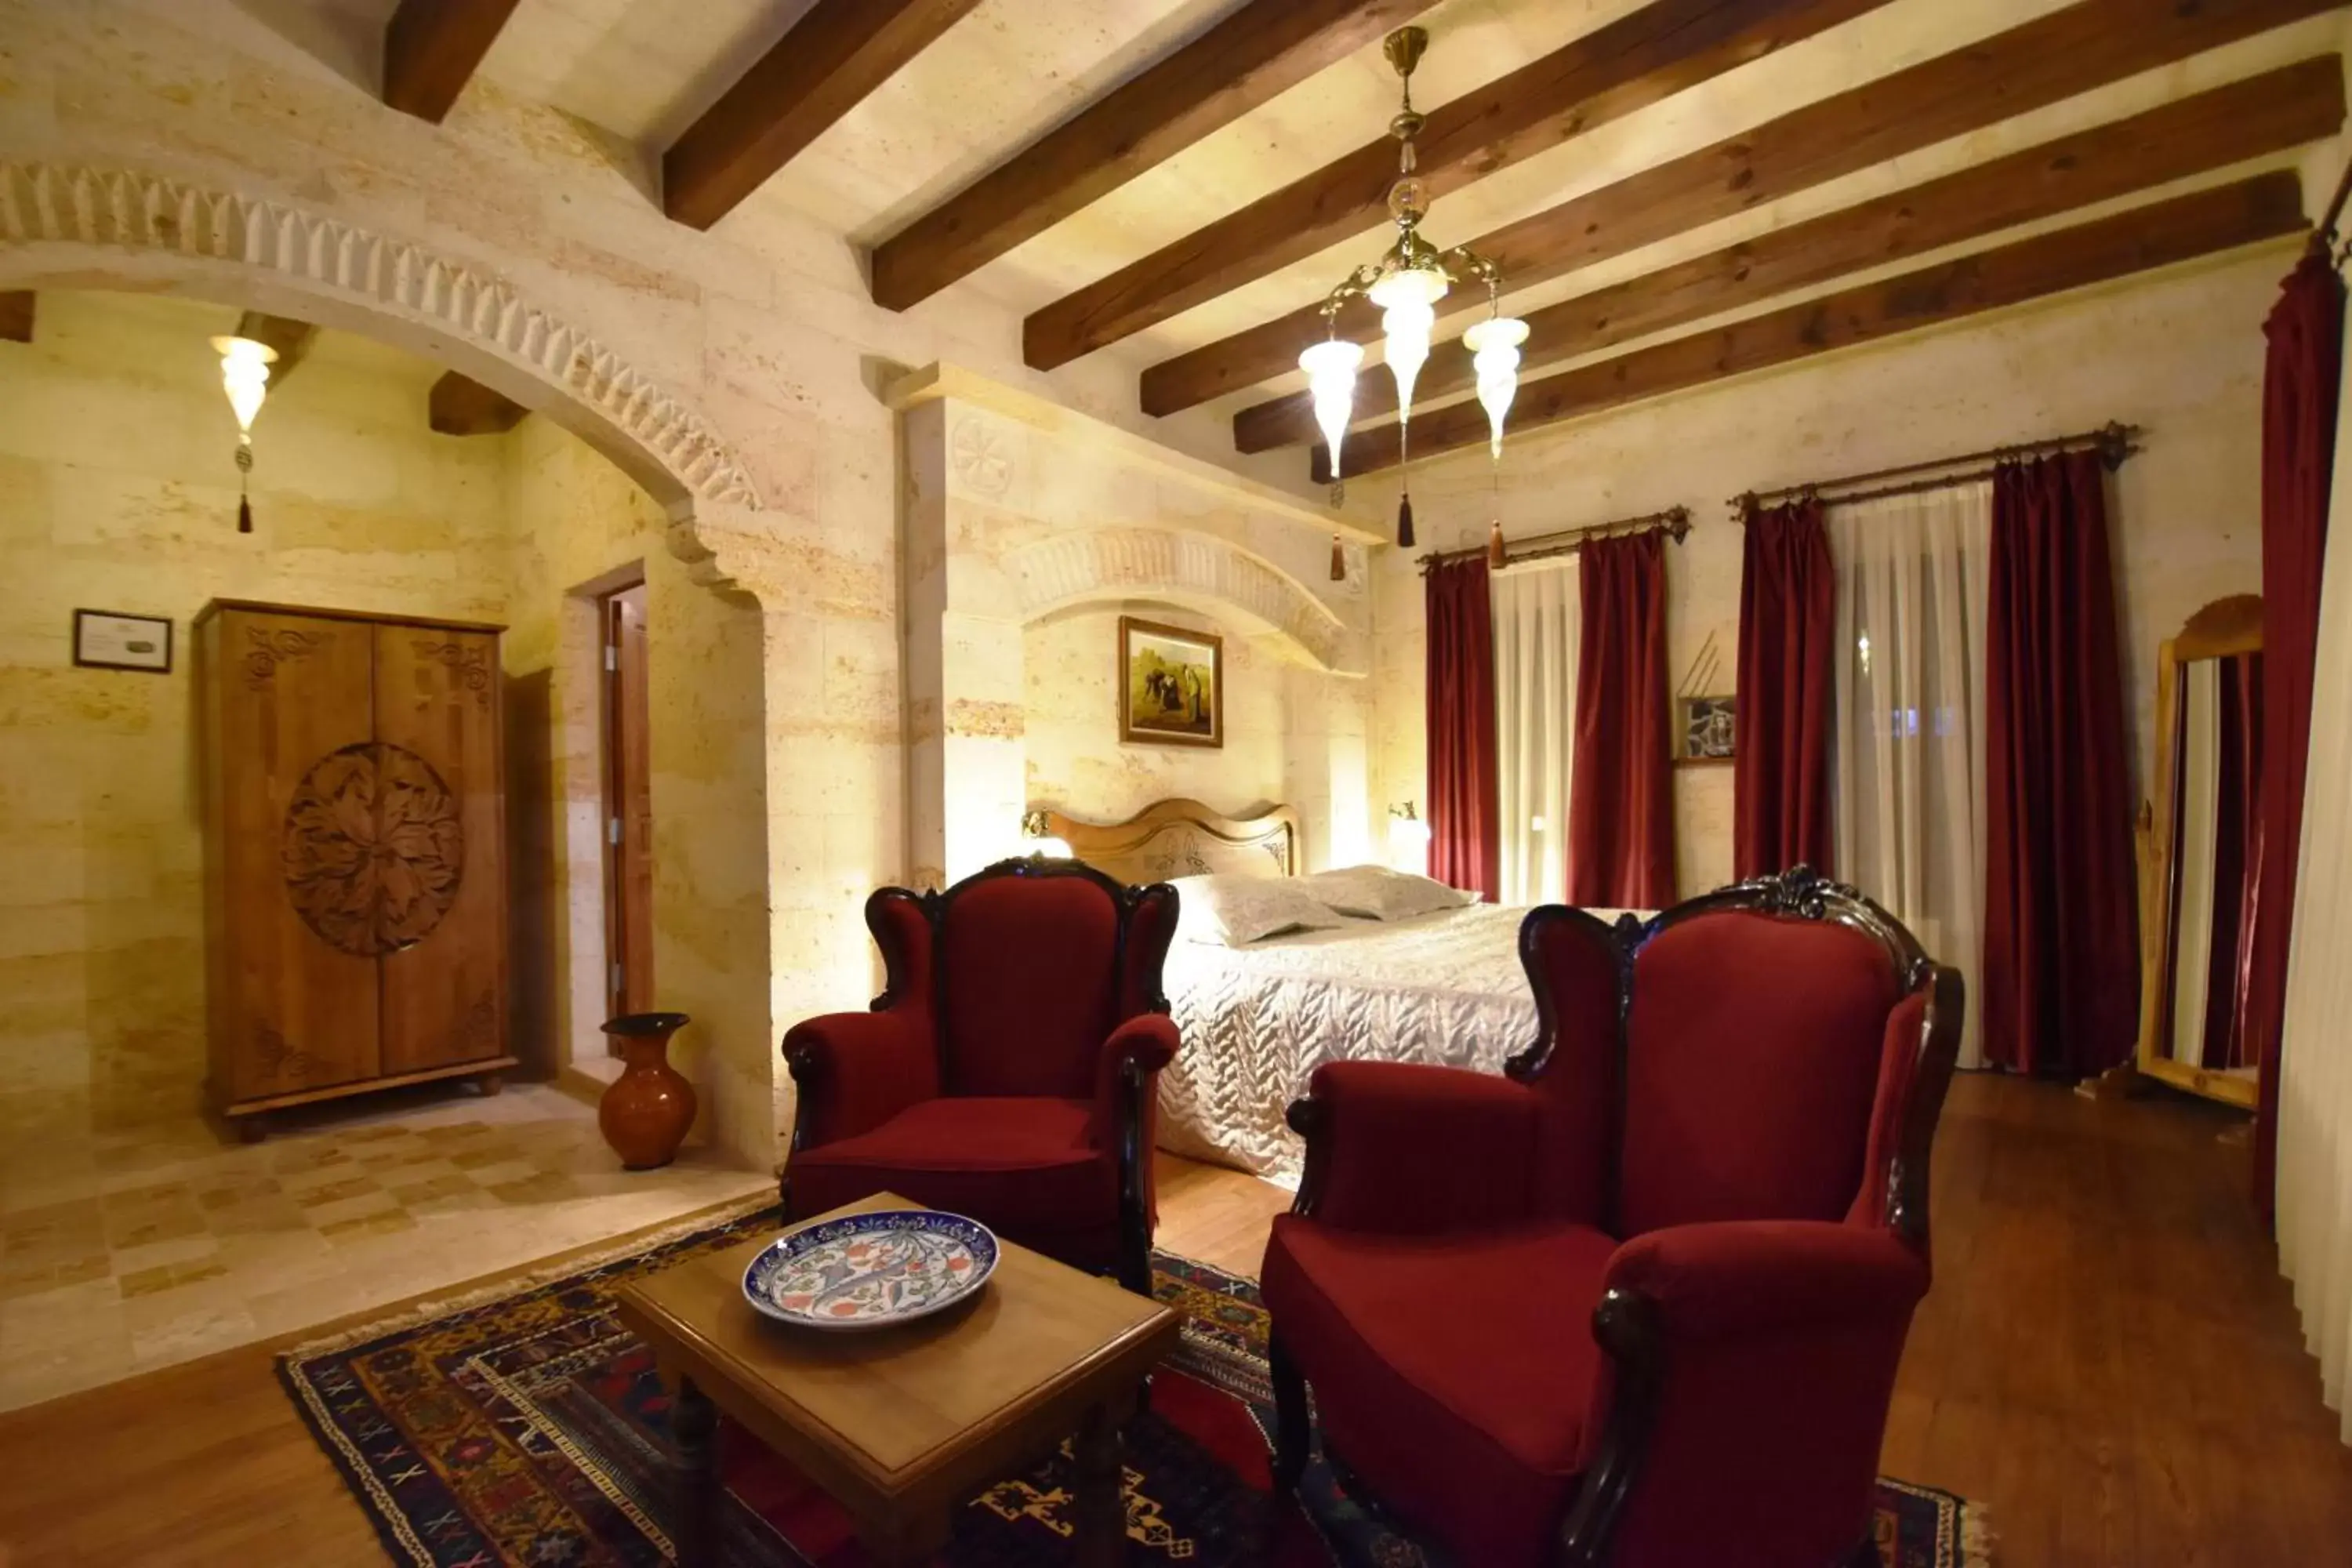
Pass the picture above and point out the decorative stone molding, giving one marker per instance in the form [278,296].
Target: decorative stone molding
[113,210]
[1133,562]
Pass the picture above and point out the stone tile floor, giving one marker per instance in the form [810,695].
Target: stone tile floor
[158,1246]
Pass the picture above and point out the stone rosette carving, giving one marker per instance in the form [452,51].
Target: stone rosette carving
[373,849]
[982,457]
[130,209]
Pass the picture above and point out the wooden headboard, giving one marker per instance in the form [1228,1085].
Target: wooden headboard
[1181,838]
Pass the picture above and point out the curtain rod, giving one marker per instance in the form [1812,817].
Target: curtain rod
[2323,239]
[1674,522]
[2114,441]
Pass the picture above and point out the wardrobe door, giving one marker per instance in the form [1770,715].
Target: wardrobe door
[293,809]
[444,910]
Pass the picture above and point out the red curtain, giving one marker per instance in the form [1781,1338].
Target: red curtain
[2060,975]
[1780,726]
[1620,798]
[1465,834]
[2299,388]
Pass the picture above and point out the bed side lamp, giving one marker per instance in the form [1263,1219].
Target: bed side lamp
[1408,840]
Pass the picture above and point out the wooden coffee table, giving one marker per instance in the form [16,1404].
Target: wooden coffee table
[901,1424]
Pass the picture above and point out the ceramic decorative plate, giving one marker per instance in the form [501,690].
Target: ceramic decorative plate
[871,1270]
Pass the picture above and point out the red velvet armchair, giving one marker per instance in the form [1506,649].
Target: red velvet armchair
[1715,1154]
[1008,1071]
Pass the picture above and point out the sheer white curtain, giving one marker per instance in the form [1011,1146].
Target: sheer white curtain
[1538,623]
[2315,1103]
[1909,776]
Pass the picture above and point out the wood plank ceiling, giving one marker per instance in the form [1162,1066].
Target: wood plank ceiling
[1176,183]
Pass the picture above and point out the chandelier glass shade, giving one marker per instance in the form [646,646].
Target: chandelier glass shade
[1494,346]
[244,376]
[1406,285]
[1330,368]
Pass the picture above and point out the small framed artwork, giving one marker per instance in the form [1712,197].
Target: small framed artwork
[1703,731]
[108,639]
[1171,685]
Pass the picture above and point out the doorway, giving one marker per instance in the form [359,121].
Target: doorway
[628,806]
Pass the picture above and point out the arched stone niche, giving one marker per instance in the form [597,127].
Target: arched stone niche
[1013,509]
[77,226]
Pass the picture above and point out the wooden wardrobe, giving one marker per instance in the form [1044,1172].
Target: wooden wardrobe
[354,855]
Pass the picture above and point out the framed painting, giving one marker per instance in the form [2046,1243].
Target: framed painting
[106,639]
[1703,729]
[1171,685]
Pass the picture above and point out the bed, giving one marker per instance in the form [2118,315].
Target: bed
[1444,988]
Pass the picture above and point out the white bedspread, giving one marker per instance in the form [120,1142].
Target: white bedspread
[1444,989]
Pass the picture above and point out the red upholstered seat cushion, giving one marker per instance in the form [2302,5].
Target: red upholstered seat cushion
[1031,987]
[1454,1375]
[1020,1166]
[1752,1066]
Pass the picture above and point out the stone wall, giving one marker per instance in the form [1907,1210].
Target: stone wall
[736,374]
[2179,353]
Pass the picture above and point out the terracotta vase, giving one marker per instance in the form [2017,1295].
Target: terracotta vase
[646,1113]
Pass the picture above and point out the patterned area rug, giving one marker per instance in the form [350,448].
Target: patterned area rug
[527,1429]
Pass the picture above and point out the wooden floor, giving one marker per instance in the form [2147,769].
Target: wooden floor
[2109,1360]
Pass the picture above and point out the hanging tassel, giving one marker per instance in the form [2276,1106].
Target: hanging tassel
[1495,545]
[1338,560]
[1404,521]
[244,484]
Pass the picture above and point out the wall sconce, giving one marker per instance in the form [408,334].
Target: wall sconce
[244,376]
[1040,842]
[1408,838]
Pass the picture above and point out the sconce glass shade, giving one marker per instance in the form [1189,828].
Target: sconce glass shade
[1330,368]
[1050,848]
[1408,302]
[244,376]
[1493,347]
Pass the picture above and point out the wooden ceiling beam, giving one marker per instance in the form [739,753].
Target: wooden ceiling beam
[1245,60]
[2267,207]
[835,54]
[460,405]
[1659,50]
[291,338]
[2047,60]
[16,316]
[2266,114]
[430,50]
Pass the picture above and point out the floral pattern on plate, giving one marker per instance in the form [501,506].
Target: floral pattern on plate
[869,1270]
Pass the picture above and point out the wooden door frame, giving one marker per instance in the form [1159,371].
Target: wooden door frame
[613,794]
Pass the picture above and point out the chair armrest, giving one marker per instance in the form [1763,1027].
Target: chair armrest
[1411,1150]
[1750,1362]
[1147,1042]
[1744,1277]
[853,1071]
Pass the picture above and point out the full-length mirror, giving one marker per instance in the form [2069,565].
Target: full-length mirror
[2201,854]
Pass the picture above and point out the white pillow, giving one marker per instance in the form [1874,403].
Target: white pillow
[1229,911]
[1375,892]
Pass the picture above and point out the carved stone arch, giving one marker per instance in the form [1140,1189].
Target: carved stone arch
[77,226]
[1068,569]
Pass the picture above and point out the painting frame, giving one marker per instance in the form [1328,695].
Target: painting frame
[1138,729]
[98,634]
[1704,730]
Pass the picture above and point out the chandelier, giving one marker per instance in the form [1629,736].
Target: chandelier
[1406,284]
[244,377]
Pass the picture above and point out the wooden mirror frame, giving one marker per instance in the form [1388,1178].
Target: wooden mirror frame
[2221,629]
